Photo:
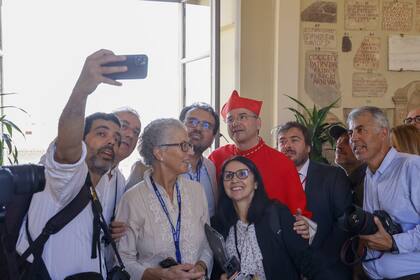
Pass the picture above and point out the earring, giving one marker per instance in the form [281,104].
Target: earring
[256,186]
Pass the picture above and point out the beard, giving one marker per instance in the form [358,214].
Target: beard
[97,164]
[299,161]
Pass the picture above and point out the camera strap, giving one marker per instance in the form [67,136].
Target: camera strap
[97,210]
[55,224]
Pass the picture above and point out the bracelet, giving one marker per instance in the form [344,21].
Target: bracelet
[203,266]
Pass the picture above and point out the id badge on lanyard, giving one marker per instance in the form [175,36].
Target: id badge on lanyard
[176,230]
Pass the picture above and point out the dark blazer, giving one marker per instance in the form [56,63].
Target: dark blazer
[328,194]
[285,254]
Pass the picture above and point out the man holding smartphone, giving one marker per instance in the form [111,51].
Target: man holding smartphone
[80,149]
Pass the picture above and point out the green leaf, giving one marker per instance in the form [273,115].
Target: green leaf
[300,104]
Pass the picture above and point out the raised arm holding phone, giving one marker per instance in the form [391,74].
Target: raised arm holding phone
[82,147]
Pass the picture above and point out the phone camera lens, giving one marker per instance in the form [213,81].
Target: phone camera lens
[139,60]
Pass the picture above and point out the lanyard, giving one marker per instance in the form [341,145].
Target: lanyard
[176,232]
[198,174]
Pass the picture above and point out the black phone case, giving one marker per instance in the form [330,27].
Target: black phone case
[167,263]
[136,67]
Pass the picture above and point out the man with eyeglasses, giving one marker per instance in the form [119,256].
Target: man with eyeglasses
[202,124]
[413,118]
[278,172]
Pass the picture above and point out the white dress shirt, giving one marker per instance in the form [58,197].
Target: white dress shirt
[303,173]
[68,251]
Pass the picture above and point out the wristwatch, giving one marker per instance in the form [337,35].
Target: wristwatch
[394,249]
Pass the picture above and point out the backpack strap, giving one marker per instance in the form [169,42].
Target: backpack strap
[59,221]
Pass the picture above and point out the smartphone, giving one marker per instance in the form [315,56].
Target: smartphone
[137,65]
[167,263]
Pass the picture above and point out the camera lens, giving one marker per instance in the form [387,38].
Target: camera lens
[27,178]
[139,60]
[354,220]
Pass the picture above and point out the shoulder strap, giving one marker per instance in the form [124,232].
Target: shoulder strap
[60,220]
[97,210]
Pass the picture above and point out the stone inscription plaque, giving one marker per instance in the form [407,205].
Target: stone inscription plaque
[361,14]
[321,76]
[367,56]
[324,38]
[320,11]
[397,15]
[368,85]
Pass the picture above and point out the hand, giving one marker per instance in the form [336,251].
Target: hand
[92,72]
[181,272]
[198,268]
[118,230]
[301,226]
[223,277]
[380,241]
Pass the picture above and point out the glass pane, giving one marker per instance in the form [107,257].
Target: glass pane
[45,47]
[198,86]
[198,32]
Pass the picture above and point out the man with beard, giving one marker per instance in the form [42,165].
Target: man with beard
[278,173]
[392,185]
[328,196]
[202,124]
[344,157]
[82,148]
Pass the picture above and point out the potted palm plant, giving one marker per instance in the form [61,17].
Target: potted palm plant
[315,121]
[8,129]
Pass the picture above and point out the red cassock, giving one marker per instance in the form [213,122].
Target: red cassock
[278,172]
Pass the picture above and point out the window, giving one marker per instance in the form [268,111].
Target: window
[46,42]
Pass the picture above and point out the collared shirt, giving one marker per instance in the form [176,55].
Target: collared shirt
[303,173]
[395,188]
[68,251]
[202,176]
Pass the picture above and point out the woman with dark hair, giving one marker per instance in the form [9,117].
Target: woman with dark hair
[258,232]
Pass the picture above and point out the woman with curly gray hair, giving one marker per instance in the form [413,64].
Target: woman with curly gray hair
[165,213]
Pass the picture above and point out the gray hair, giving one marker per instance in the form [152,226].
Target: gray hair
[154,134]
[127,110]
[378,115]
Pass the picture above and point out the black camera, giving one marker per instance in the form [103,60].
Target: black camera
[357,221]
[20,179]
[118,273]
[167,263]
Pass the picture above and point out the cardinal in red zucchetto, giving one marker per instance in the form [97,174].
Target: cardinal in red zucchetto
[279,174]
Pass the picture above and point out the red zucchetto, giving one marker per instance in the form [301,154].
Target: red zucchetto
[235,102]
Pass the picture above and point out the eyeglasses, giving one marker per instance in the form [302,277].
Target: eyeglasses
[241,118]
[184,145]
[241,174]
[193,123]
[416,119]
